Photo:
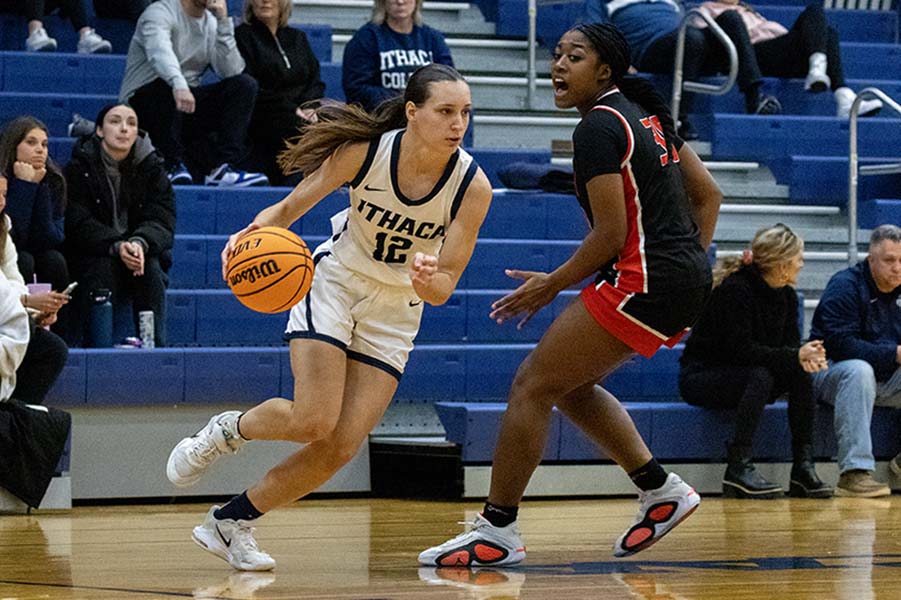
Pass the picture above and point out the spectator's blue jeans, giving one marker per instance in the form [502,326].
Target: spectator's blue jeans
[851,387]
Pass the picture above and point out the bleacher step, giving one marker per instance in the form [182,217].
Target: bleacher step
[447,17]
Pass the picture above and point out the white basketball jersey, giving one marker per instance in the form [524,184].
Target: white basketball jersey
[383,229]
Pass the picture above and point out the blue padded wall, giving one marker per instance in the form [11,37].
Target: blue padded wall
[135,377]
[71,386]
[220,375]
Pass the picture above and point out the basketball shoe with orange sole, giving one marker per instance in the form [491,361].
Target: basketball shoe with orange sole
[484,544]
[660,511]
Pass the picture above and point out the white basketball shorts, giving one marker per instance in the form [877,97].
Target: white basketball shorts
[374,323]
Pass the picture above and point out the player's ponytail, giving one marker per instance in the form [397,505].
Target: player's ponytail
[613,49]
[337,123]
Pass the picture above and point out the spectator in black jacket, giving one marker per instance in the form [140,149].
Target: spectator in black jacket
[745,351]
[279,57]
[120,220]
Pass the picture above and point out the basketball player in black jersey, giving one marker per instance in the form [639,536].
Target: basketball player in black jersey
[652,206]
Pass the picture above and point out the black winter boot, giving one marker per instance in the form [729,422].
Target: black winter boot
[804,480]
[742,479]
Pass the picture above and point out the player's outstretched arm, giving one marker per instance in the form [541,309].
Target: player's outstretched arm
[603,242]
[435,278]
[703,193]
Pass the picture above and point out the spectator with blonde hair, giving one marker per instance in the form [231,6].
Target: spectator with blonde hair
[279,57]
[745,351]
[381,56]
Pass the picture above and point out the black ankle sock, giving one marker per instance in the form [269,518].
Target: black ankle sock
[649,477]
[239,508]
[238,428]
[499,516]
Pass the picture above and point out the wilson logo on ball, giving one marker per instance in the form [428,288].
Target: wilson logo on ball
[270,270]
[251,274]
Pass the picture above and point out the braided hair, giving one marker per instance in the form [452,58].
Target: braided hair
[613,49]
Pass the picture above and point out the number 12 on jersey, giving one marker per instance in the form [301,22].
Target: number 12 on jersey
[391,250]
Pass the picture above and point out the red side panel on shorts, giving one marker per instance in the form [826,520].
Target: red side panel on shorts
[604,302]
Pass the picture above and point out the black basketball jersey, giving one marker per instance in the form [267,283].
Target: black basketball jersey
[662,250]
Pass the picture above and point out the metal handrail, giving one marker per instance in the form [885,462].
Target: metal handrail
[694,86]
[853,171]
[533,41]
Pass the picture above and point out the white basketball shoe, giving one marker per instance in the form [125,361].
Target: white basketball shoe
[661,510]
[484,544]
[193,455]
[233,542]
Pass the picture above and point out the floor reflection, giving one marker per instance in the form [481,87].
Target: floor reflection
[479,583]
[237,586]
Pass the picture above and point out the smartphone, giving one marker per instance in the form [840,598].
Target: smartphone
[69,288]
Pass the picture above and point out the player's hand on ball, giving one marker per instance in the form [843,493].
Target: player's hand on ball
[230,247]
[423,268]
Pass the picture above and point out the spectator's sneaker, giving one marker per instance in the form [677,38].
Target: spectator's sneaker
[768,105]
[844,99]
[79,126]
[193,455]
[179,175]
[39,41]
[483,544]
[233,542]
[225,176]
[660,511]
[91,43]
[858,483]
[817,80]
[479,583]
[238,585]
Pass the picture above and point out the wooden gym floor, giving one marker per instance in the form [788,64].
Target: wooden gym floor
[363,549]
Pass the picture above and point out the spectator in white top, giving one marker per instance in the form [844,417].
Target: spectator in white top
[205,126]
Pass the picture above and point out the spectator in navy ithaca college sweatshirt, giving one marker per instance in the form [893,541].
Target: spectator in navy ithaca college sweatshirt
[383,54]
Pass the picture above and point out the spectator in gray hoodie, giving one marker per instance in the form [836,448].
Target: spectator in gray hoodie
[175,42]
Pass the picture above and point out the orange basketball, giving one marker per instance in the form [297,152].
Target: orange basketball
[270,270]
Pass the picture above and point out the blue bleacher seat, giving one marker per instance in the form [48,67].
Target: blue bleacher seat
[475,427]
[874,26]
[239,375]
[823,180]
[134,377]
[751,137]
[55,110]
[492,159]
[490,369]
[330,73]
[70,388]
[434,372]
[879,211]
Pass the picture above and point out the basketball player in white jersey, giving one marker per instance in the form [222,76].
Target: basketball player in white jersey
[417,202]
